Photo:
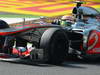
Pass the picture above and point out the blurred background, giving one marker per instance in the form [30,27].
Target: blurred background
[37,8]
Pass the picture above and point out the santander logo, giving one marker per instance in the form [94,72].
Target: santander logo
[92,41]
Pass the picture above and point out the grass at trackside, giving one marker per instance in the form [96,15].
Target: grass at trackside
[17,16]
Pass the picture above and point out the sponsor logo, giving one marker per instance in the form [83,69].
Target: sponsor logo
[93,37]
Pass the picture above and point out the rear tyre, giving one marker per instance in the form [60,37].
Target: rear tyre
[55,44]
[3,25]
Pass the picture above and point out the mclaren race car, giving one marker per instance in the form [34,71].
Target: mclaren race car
[52,43]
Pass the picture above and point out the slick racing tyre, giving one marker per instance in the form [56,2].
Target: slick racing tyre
[3,25]
[55,44]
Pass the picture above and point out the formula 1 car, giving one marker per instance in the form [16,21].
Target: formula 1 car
[52,43]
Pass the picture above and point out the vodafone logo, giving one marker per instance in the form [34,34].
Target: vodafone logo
[92,41]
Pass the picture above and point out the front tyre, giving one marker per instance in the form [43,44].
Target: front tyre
[55,44]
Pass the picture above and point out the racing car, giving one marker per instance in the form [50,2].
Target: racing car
[52,43]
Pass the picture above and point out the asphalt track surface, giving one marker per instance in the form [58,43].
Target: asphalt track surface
[69,67]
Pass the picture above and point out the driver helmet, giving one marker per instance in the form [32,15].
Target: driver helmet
[67,20]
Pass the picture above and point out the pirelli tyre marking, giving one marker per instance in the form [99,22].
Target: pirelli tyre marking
[94,37]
